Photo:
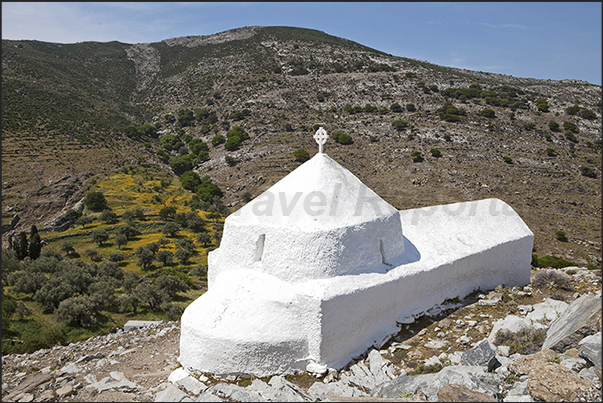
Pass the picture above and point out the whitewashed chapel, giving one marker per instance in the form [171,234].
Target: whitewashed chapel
[318,268]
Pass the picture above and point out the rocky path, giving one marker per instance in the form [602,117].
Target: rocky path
[448,355]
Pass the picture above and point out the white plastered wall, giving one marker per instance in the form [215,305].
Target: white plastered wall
[450,251]
[358,248]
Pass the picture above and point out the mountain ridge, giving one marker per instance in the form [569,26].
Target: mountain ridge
[65,108]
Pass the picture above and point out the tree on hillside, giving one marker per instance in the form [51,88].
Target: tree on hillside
[171,285]
[21,245]
[80,309]
[167,212]
[84,220]
[151,294]
[204,238]
[190,180]
[183,254]
[120,240]
[67,247]
[145,257]
[99,236]
[35,246]
[165,257]
[108,216]
[95,201]
[170,229]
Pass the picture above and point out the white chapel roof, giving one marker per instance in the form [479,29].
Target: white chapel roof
[319,194]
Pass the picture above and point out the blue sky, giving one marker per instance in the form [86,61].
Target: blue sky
[549,40]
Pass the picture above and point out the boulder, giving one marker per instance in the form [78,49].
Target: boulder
[555,383]
[382,369]
[474,378]
[483,354]
[278,389]
[592,373]
[64,391]
[590,348]
[359,374]
[171,394]
[322,391]
[525,365]
[459,393]
[546,312]
[208,397]
[236,393]
[28,385]
[513,323]
[191,385]
[582,318]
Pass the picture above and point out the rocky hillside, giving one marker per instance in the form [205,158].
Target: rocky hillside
[536,144]
[549,349]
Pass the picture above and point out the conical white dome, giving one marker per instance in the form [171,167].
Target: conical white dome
[319,194]
[319,221]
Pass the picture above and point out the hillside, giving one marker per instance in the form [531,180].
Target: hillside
[68,113]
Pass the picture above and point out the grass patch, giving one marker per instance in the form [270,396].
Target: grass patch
[525,342]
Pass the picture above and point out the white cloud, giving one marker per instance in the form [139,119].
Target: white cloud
[79,22]
[499,26]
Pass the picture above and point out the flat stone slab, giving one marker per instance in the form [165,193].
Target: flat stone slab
[135,324]
[483,354]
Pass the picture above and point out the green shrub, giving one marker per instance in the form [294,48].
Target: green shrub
[182,164]
[569,126]
[342,138]
[435,153]
[542,105]
[417,156]
[550,152]
[400,125]
[588,172]
[508,159]
[234,137]
[550,261]
[572,110]
[170,142]
[230,161]
[553,126]
[560,235]
[301,155]
[411,107]
[190,180]
[208,190]
[450,113]
[396,107]
[587,114]
[217,140]
[232,143]
[489,113]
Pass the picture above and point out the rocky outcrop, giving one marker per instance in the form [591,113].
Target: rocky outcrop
[141,365]
[581,319]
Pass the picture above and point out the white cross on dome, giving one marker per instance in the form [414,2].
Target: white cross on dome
[321,138]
